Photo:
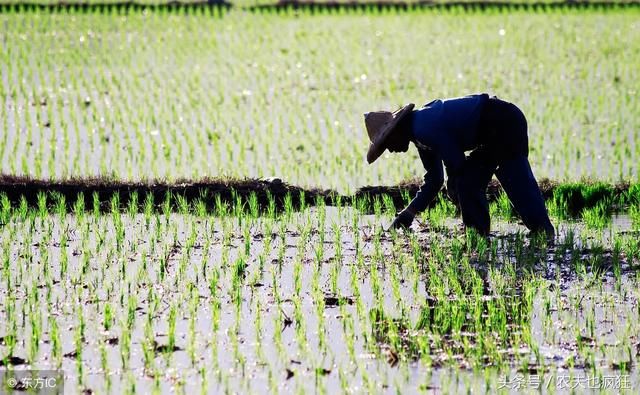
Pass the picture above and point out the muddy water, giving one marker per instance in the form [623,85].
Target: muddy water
[298,318]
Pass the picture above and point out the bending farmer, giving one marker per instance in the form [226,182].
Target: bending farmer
[495,131]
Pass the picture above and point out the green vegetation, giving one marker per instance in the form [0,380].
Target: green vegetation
[191,297]
[298,292]
[189,95]
[249,3]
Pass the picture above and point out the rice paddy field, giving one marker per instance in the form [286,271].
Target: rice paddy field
[261,292]
[190,95]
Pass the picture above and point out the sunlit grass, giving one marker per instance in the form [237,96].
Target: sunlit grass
[255,95]
[144,294]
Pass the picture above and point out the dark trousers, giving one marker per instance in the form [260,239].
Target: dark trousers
[503,151]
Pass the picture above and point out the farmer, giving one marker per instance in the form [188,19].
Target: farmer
[495,131]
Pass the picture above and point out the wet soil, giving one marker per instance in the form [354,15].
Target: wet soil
[316,5]
[308,301]
[271,193]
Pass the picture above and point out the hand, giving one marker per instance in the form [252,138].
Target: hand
[452,189]
[453,181]
[403,220]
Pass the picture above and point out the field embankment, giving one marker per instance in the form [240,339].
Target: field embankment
[275,194]
[313,5]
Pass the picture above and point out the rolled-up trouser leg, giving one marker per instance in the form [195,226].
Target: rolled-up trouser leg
[472,194]
[518,182]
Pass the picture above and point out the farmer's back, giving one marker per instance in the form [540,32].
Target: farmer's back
[455,118]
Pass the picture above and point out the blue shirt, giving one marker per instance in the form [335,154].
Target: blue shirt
[443,130]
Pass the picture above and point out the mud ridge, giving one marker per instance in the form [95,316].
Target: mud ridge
[314,6]
[317,6]
[271,194]
[266,192]
[120,7]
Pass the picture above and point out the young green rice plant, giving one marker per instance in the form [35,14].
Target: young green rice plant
[64,258]
[377,207]
[79,206]
[271,205]
[96,204]
[22,210]
[107,317]
[278,323]
[259,331]
[318,252]
[632,196]
[166,207]
[171,335]
[200,208]
[119,226]
[337,259]
[268,238]
[221,208]
[193,310]
[502,207]
[42,205]
[288,206]
[253,205]
[239,273]
[60,205]
[5,208]
[132,305]
[78,342]
[395,287]
[300,327]
[238,205]
[35,321]
[148,207]
[190,242]
[11,337]
[148,346]
[443,209]
[318,297]
[56,343]
[114,203]
[634,214]
[239,358]
[597,217]
[247,241]
[130,384]
[558,207]
[183,204]
[389,206]
[133,205]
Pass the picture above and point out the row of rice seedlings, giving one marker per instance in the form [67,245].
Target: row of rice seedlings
[105,102]
[104,7]
[634,214]
[616,270]
[446,270]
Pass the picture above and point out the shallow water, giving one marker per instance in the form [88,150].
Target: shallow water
[280,326]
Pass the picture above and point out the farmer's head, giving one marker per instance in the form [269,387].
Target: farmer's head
[398,141]
[388,130]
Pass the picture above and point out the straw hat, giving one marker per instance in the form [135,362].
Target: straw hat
[380,125]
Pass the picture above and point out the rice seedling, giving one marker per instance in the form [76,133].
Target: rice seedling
[597,217]
[128,123]
[634,214]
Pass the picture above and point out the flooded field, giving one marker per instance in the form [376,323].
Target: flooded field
[319,301]
[186,204]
